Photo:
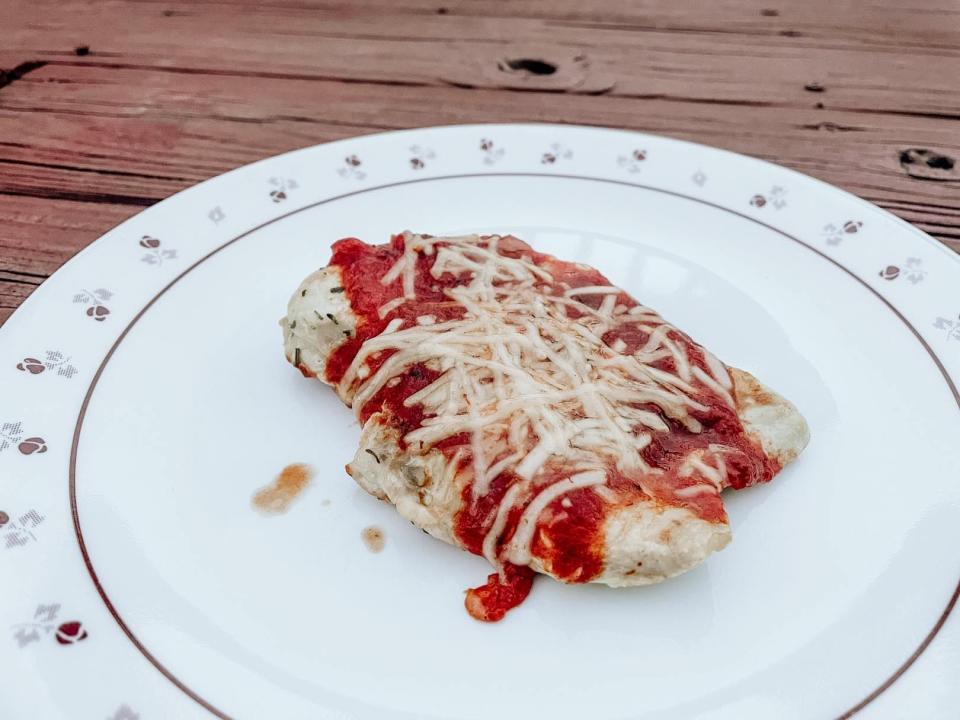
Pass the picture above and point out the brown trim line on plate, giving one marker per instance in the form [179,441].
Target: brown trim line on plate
[96,378]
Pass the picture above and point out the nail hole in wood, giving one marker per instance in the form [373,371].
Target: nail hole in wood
[82,50]
[442,11]
[769,12]
[529,65]
[791,33]
[814,87]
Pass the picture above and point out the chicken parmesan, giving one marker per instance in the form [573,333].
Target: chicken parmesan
[523,408]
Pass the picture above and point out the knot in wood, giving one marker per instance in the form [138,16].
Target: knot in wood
[535,68]
[925,164]
[528,65]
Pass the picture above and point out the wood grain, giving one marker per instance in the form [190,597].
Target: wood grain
[107,107]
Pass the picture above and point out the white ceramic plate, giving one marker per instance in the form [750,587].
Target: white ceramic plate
[144,398]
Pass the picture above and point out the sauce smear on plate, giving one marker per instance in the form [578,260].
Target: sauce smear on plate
[286,487]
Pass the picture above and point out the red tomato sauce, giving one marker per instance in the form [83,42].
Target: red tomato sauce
[362,266]
[568,540]
[492,600]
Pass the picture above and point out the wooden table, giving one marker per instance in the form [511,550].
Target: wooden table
[108,107]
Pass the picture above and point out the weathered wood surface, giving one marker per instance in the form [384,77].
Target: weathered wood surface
[108,107]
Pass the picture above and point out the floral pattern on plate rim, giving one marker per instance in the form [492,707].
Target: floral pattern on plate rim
[419,155]
[491,153]
[95,301]
[776,197]
[912,270]
[11,433]
[351,168]
[633,161]
[52,360]
[124,712]
[216,215]
[555,153]
[833,234]
[951,326]
[155,255]
[281,186]
[43,623]
[17,532]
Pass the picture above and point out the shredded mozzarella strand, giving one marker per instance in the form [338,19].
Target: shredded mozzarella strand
[593,290]
[718,370]
[390,306]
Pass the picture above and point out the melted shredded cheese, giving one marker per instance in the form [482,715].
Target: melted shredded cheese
[531,388]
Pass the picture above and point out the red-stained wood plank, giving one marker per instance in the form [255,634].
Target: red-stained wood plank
[57,229]
[181,133]
[13,291]
[108,107]
[732,52]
